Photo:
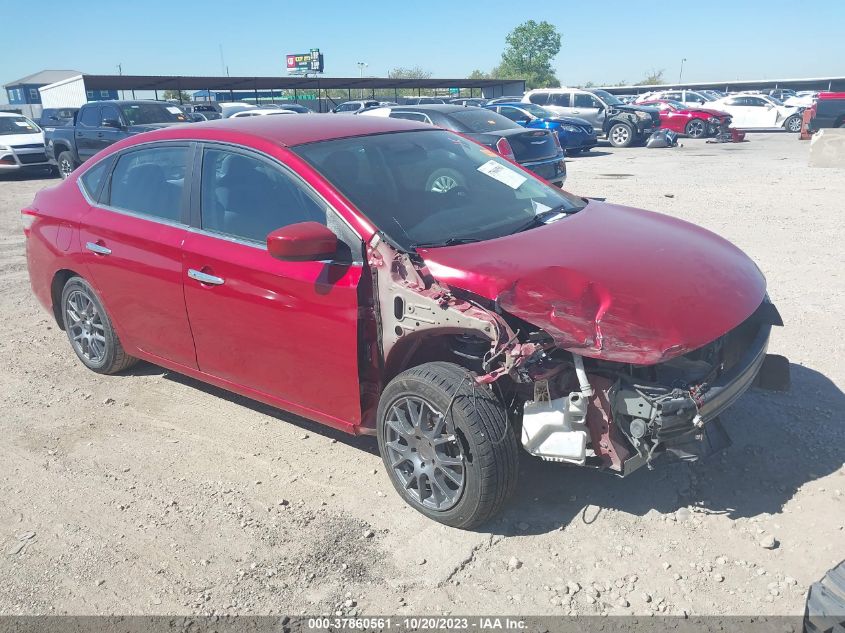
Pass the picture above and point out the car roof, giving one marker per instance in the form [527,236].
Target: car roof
[443,108]
[287,131]
[10,114]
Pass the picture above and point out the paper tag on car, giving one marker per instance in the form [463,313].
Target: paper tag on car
[23,124]
[503,174]
[173,110]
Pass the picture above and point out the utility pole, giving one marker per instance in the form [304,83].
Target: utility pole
[120,72]
[361,67]
[681,74]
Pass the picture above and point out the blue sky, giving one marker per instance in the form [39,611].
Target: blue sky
[605,41]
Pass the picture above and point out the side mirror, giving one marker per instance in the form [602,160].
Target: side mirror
[112,123]
[302,242]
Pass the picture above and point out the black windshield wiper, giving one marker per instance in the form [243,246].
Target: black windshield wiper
[539,219]
[452,241]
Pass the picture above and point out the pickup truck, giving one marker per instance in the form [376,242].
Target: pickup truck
[99,124]
[828,111]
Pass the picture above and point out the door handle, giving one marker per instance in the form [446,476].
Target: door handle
[576,112]
[204,278]
[97,248]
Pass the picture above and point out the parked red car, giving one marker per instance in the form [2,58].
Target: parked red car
[313,264]
[692,121]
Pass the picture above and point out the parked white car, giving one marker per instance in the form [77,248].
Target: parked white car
[687,97]
[228,108]
[259,112]
[21,144]
[757,111]
[803,99]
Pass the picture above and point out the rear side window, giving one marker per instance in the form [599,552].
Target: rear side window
[479,120]
[151,182]
[90,117]
[560,100]
[93,178]
[540,98]
[585,101]
[410,116]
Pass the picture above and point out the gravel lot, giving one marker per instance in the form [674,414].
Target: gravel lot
[150,493]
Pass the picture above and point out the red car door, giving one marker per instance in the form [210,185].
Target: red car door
[132,244]
[286,331]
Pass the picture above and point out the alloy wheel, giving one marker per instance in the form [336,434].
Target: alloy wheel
[442,184]
[65,168]
[695,128]
[794,124]
[85,326]
[424,454]
[620,135]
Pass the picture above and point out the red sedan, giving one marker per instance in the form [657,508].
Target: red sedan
[692,121]
[313,263]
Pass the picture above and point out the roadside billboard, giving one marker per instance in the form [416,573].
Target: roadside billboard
[301,63]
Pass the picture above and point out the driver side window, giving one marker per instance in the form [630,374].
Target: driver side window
[585,101]
[247,198]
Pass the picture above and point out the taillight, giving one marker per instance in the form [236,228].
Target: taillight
[504,148]
[28,217]
[557,142]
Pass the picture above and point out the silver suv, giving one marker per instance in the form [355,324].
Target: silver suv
[623,124]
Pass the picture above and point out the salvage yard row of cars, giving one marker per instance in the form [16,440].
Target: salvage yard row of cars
[571,117]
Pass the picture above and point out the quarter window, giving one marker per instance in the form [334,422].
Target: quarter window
[540,98]
[248,198]
[93,178]
[151,181]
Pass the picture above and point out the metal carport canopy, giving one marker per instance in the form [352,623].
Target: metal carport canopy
[158,82]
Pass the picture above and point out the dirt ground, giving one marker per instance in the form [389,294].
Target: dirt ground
[149,493]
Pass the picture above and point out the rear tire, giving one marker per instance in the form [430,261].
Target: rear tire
[620,135]
[90,331]
[66,163]
[447,445]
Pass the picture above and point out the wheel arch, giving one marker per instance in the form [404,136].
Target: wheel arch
[60,278]
[418,348]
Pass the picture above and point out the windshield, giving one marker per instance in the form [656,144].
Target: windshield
[608,98]
[17,125]
[435,187]
[142,113]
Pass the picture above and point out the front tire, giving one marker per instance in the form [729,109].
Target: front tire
[66,163]
[696,128]
[90,331]
[447,445]
[620,135]
[793,124]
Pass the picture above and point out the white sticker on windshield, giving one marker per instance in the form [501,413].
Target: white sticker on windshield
[173,110]
[539,207]
[503,174]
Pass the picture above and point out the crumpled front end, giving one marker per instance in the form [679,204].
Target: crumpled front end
[622,416]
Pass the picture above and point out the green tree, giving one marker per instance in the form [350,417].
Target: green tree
[178,96]
[478,74]
[653,78]
[528,55]
[414,72]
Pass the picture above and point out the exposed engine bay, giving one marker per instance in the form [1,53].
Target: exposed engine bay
[566,406]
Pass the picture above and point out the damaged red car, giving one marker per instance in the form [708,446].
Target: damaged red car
[695,122]
[317,266]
